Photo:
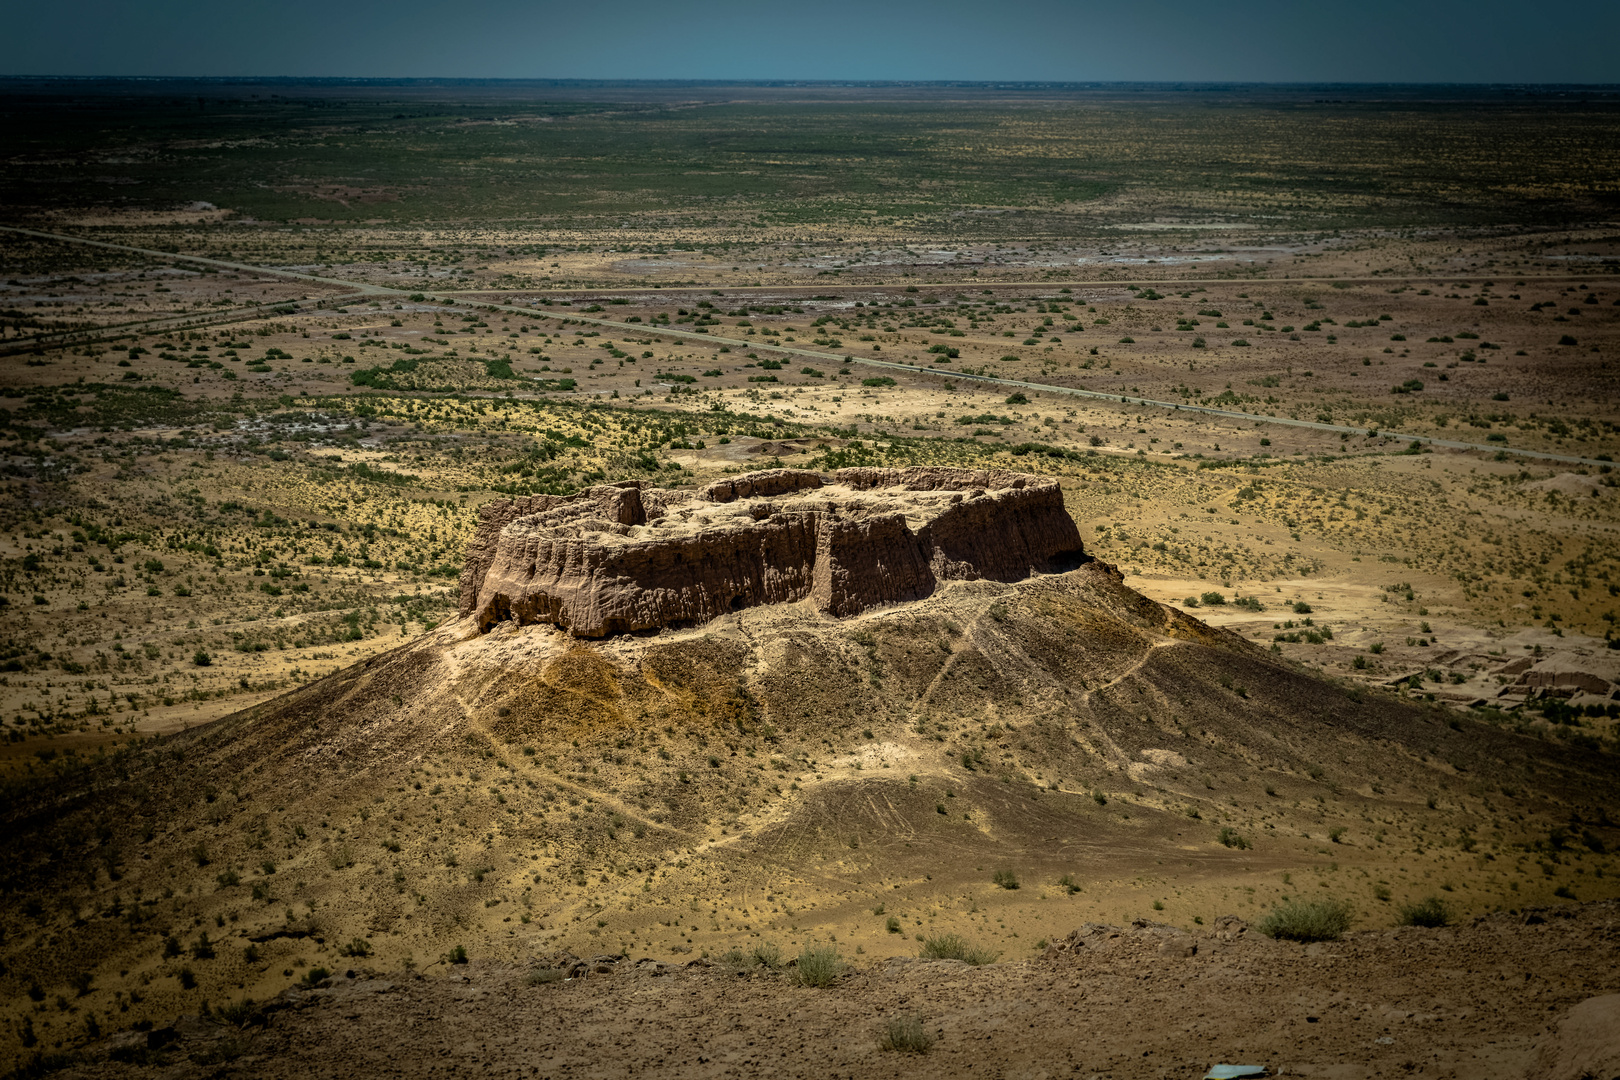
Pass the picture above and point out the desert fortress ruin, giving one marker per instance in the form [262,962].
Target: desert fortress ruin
[628,557]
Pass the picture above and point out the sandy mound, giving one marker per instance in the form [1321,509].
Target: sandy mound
[1571,484]
[1586,1045]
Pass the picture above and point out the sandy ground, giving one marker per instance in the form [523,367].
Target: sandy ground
[1500,553]
[1447,566]
[1144,1000]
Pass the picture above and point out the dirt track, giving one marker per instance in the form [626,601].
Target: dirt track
[494,303]
[1142,1001]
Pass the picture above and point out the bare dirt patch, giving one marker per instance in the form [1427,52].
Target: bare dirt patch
[1481,1002]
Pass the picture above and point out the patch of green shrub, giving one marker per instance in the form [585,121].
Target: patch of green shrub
[1430,911]
[818,965]
[955,947]
[1307,920]
[906,1034]
[237,1014]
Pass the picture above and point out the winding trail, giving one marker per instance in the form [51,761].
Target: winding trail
[642,329]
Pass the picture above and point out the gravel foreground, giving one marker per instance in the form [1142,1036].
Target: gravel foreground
[1482,1000]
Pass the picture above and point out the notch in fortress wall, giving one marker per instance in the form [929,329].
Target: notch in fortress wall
[628,557]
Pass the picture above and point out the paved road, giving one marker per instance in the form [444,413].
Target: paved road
[641,329]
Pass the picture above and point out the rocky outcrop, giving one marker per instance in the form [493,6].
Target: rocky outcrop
[1564,676]
[624,558]
[497,515]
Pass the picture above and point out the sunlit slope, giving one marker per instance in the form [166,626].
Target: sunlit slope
[775,774]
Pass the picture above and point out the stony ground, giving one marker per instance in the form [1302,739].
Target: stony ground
[1145,1000]
[221,483]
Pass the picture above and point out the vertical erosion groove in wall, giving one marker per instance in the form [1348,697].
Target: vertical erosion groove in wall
[623,558]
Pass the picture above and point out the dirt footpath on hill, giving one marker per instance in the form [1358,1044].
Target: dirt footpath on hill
[1147,1000]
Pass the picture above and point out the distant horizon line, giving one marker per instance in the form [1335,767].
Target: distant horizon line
[385,80]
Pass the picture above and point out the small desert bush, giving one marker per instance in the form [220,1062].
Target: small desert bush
[542,976]
[765,955]
[907,1035]
[222,1052]
[818,965]
[1430,911]
[1307,920]
[955,947]
[1005,878]
[237,1013]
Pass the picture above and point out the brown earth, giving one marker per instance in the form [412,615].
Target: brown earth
[1479,1001]
[778,777]
[1000,761]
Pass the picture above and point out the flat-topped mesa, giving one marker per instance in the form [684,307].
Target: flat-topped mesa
[623,558]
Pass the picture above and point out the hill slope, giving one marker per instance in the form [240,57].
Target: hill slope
[776,775]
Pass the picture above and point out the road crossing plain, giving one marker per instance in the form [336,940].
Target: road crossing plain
[254,397]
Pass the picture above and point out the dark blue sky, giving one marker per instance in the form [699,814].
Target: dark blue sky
[1077,40]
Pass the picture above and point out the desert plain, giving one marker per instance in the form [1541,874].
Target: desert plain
[1328,385]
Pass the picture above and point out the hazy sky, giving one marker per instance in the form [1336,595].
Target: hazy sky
[1077,40]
